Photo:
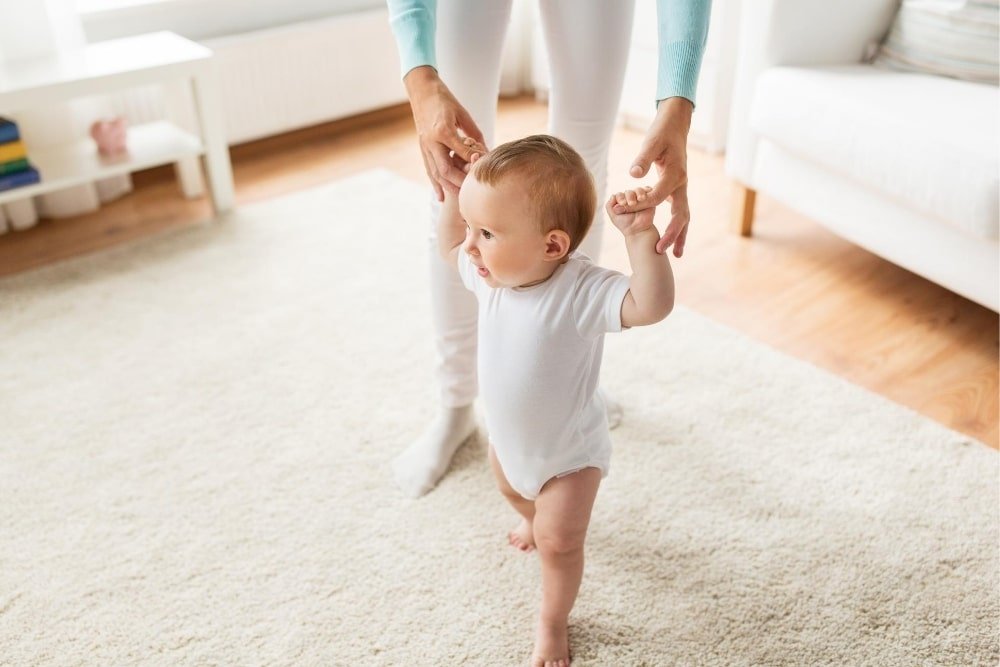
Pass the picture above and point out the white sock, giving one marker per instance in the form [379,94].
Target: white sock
[613,408]
[419,467]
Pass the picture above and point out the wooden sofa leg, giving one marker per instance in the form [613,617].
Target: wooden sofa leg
[743,201]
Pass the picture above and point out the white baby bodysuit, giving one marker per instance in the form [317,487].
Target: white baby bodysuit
[539,358]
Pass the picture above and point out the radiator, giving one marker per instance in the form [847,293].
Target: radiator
[289,77]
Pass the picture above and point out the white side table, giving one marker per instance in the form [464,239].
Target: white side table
[104,67]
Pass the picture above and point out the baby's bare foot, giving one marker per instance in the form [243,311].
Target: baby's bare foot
[551,645]
[522,537]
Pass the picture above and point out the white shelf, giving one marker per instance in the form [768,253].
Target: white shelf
[98,68]
[63,166]
[160,58]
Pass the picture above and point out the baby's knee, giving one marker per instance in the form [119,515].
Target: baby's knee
[558,541]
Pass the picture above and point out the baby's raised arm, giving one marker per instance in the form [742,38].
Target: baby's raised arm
[450,230]
[650,297]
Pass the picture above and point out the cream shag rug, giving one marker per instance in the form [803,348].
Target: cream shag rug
[195,435]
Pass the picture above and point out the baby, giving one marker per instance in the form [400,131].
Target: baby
[512,233]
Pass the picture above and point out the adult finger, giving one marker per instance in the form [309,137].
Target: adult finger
[672,178]
[670,235]
[680,215]
[446,171]
[653,198]
[681,240]
[432,176]
[652,148]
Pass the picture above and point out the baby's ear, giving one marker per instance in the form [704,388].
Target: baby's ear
[556,244]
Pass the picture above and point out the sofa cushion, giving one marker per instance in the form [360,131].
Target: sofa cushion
[957,38]
[927,142]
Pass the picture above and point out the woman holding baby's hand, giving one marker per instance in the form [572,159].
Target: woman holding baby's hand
[450,54]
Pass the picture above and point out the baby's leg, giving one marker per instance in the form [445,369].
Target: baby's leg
[562,514]
[522,536]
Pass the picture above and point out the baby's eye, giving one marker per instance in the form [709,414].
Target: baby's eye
[487,235]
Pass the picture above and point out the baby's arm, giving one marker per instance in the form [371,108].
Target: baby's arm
[650,297]
[450,230]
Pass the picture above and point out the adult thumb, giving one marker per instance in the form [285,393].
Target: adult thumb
[640,166]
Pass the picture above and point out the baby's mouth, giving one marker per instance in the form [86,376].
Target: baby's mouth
[483,271]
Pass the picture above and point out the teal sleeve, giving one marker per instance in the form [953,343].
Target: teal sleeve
[412,23]
[682,27]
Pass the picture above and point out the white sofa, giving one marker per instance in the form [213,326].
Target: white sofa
[905,165]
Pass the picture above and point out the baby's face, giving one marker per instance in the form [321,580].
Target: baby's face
[503,237]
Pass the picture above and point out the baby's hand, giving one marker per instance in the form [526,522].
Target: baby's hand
[479,151]
[630,223]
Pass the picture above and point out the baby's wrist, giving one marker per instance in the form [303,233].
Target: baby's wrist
[637,235]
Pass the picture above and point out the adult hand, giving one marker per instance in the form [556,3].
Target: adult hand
[665,146]
[448,136]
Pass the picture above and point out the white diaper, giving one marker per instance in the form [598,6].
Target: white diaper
[527,477]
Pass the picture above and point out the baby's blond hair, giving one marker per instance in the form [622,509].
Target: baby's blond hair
[558,181]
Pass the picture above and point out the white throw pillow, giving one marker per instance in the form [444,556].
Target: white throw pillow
[956,38]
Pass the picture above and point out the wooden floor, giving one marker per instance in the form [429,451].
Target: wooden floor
[794,286]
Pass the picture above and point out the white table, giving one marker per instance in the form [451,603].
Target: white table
[105,67]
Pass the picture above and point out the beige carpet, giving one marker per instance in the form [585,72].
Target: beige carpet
[194,443]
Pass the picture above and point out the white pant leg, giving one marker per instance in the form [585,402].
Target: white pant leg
[470,38]
[587,43]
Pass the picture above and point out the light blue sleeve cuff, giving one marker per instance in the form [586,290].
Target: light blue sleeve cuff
[682,27]
[677,75]
[413,24]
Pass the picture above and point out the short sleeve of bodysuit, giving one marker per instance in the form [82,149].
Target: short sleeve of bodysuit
[597,300]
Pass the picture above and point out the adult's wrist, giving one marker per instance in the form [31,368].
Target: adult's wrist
[419,80]
[677,112]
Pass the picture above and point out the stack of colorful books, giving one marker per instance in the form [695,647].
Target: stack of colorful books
[15,171]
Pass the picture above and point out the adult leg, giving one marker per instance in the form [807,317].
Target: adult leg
[562,515]
[470,39]
[587,42]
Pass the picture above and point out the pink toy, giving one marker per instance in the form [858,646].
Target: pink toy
[110,135]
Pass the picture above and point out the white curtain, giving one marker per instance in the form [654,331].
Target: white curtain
[39,29]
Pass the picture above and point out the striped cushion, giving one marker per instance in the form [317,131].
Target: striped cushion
[956,38]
